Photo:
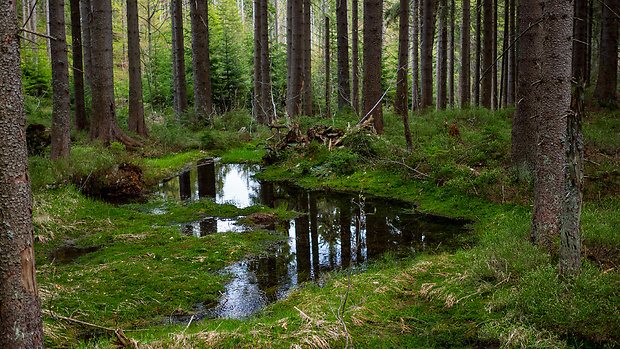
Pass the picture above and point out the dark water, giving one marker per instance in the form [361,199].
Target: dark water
[333,231]
[67,254]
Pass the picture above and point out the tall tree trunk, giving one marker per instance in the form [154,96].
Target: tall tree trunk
[451,55]
[307,73]
[494,84]
[549,190]
[135,119]
[79,122]
[21,322]
[464,77]
[289,56]
[201,62]
[355,73]
[607,82]
[178,59]
[570,234]
[61,114]
[415,66]
[259,110]
[373,44]
[512,67]
[87,13]
[477,53]
[342,42]
[528,92]
[401,104]
[442,56]
[426,57]
[588,72]
[580,40]
[265,62]
[296,59]
[104,125]
[328,84]
[487,54]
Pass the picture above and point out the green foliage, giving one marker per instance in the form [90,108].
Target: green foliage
[173,135]
[338,162]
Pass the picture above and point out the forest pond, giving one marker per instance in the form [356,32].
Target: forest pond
[334,230]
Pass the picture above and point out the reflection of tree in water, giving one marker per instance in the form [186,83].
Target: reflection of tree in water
[272,272]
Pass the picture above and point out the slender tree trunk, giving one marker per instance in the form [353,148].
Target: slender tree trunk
[289,56]
[87,13]
[426,57]
[401,104]
[373,44]
[328,93]
[588,72]
[21,322]
[549,190]
[464,77]
[415,70]
[265,62]
[477,53]
[104,125]
[451,55]
[487,54]
[494,84]
[307,73]
[528,91]
[355,87]
[79,122]
[61,114]
[580,40]
[259,109]
[203,96]
[135,120]
[178,59]
[512,68]
[442,56]
[296,60]
[344,91]
[607,82]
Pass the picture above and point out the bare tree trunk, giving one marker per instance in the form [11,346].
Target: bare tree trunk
[79,122]
[477,53]
[494,84]
[373,44]
[588,72]
[528,93]
[451,55]
[401,104]
[87,13]
[265,62]
[259,109]
[355,87]
[487,54]
[21,322]
[203,96]
[580,39]
[135,118]
[104,125]
[426,58]
[296,59]
[307,73]
[415,70]
[178,59]
[549,190]
[464,77]
[442,56]
[607,82]
[61,114]
[344,91]
[328,92]
[512,68]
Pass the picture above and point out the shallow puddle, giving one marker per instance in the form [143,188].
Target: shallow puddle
[334,231]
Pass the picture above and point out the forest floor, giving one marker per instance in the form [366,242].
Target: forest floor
[137,270]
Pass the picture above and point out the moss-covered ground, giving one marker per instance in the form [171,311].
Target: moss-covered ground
[500,292]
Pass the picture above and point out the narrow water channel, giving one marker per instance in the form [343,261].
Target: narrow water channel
[333,231]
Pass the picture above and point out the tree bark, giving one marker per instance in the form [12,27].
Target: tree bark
[487,54]
[451,55]
[401,104]
[79,122]
[135,118]
[265,62]
[355,73]
[373,44]
[178,59]
[87,13]
[528,95]
[549,190]
[21,322]
[61,111]
[512,68]
[477,53]
[607,82]
[307,73]
[104,125]
[426,57]
[580,40]
[415,66]
[442,56]
[259,110]
[296,59]
[328,83]
[203,97]
[342,42]
[464,77]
